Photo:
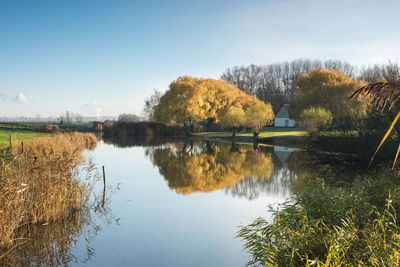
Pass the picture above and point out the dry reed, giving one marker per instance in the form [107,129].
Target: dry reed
[41,184]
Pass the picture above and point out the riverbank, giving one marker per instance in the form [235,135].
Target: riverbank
[18,136]
[292,137]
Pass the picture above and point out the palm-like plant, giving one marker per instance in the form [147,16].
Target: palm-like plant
[382,95]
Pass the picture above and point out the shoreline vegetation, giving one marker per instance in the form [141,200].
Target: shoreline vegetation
[41,184]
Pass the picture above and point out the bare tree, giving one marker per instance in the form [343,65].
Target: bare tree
[273,82]
[150,103]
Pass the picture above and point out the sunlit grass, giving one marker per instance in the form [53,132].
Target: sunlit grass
[265,133]
[17,136]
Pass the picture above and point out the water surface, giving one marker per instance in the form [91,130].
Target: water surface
[180,204]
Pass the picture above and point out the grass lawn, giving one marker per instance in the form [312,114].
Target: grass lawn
[17,136]
[265,133]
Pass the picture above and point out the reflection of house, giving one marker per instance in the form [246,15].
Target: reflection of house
[282,117]
[282,153]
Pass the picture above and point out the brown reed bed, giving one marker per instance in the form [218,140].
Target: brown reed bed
[41,184]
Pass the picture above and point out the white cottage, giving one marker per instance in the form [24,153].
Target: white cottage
[282,118]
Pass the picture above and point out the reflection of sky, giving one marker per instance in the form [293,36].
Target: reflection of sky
[278,185]
[160,227]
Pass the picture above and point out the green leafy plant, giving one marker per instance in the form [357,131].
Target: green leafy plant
[315,119]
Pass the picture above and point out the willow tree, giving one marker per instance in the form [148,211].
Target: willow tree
[233,118]
[257,116]
[329,89]
[189,100]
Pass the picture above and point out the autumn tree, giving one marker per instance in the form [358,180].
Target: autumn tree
[189,100]
[257,116]
[329,89]
[233,118]
[274,82]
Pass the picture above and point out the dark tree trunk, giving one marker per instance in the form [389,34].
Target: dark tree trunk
[210,149]
[255,145]
[235,147]
[255,134]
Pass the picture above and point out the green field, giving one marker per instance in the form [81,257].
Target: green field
[36,126]
[265,133]
[17,136]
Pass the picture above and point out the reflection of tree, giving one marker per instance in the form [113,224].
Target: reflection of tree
[207,167]
[279,184]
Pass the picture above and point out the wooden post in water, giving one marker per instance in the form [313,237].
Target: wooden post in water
[104,188]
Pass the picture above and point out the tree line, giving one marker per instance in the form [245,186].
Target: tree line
[274,82]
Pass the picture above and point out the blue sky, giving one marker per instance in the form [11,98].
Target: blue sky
[105,57]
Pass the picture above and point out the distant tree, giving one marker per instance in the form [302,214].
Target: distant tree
[78,118]
[68,116]
[273,83]
[150,103]
[257,116]
[329,89]
[389,72]
[125,117]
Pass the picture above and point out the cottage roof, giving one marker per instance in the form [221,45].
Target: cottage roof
[283,112]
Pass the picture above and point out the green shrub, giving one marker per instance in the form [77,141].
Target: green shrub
[327,226]
[315,119]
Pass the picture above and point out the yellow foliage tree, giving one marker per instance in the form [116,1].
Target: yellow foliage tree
[328,89]
[189,100]
[233,118]
[257,116]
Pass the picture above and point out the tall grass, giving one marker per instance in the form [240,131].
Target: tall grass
[41,184]
[324,226]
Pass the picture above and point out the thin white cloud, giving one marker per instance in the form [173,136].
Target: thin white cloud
[4,96]
[93,107]
[22,99]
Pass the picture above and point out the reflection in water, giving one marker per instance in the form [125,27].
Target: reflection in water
[278,184]
[205,167]
[192,166]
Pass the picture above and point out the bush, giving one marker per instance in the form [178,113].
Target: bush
[314,120]
[327,226]
[49,128]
